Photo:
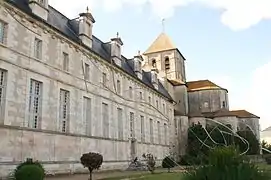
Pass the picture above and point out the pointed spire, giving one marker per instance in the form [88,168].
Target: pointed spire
[163,25]
[162,43]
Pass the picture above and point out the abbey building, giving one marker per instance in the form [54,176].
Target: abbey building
[64,92]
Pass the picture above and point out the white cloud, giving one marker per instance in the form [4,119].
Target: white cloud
[236,14]
[258,97]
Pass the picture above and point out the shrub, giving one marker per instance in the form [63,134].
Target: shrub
[150,162]
[29,170]
[225,163]
[91,161]
[168,163]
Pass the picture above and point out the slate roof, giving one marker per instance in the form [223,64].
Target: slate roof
[161,43]
[202,85]
[227,113]
[69,28]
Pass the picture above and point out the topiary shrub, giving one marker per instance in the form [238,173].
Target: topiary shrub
[168,163]
[225,163]
[29,170]
[91,161]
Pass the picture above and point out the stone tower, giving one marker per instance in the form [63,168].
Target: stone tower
[170,65]
[163,55]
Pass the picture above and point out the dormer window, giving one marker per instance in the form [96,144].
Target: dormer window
[153,63]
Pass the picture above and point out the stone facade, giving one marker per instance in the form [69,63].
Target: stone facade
[67,100]
[63,92]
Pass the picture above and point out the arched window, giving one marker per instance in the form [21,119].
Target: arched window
[167,63]
[153,62]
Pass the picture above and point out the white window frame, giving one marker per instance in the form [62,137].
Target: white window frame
[3,88]
[3,32]
[118,87]
[64,110]
[38,48]
[130,92]
[35,103]
[88,115]
[120,123]
[142,123]
[105,119]
[151,131]
[66,62]
[132,124]
[104,79]
[159,132]
[87,72]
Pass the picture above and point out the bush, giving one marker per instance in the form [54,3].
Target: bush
[91,161]
[168,163]
[29,170]
[225,163]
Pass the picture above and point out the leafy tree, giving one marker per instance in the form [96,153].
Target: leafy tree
[168,163]
[254,145]
[267,146]
[226,163]
[91,161]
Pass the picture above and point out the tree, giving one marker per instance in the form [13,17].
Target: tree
[168,163]
[254,145]
[150,162]
[91,161]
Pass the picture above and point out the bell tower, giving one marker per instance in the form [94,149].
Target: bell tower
[166,58]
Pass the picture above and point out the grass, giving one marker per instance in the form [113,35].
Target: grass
[156,176]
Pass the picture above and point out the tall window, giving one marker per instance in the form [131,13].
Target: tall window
[105,120]
[157,104]
[164,108]
[3,32]
[38,48]
[3,76]
[153,62]
[130,92]
[159,132]
[151,130]
[149,100]
[104,80]
[120,124]
[64,110]
[132,123]
[87,71]
[142,123]
[118,87]
[87,115]
[176,126]
[167,64]
[140,95]
[165,133]
[223,104]
[65,64]
[35,104]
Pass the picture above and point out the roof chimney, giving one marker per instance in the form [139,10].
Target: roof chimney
[85,28]
[39,8]
[116,44]
[137,65]
[154,78]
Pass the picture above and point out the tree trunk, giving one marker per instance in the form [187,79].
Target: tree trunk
[90,173]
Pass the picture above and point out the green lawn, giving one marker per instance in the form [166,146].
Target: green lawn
[156,176]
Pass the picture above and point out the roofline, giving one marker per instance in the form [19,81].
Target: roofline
[166,50]
[84,46]
[212,88]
